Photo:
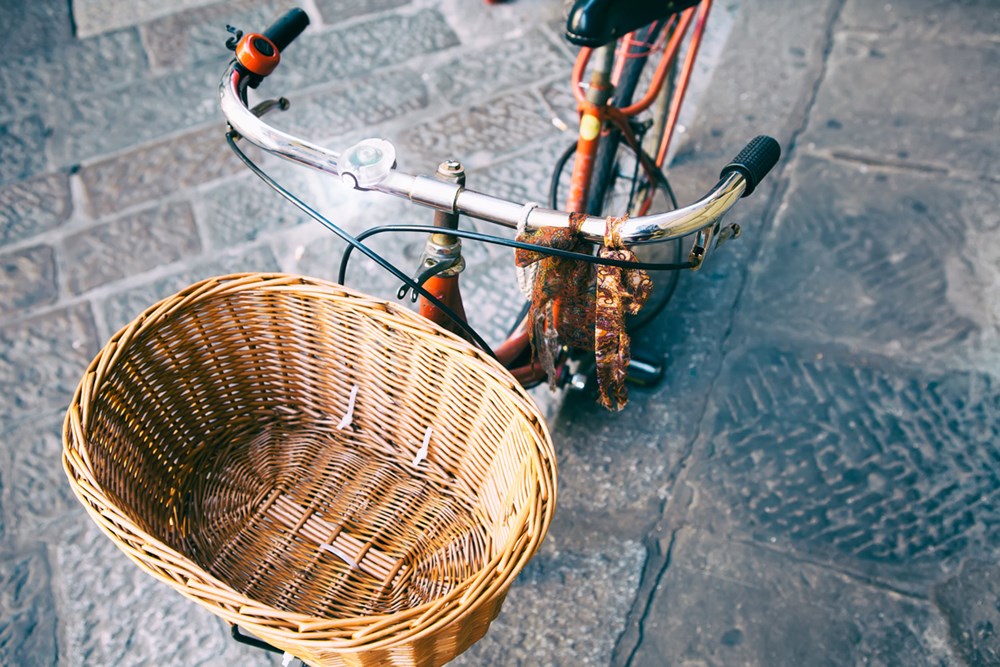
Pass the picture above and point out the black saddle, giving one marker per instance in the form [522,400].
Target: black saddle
[597,22]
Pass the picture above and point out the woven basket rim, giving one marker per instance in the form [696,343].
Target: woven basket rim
[136,543]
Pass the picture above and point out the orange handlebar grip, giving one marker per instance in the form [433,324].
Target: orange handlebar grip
[257,54]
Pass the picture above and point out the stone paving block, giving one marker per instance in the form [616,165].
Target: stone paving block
[113,613]
[328,56]
[94,125]
[30,207]
[483,73]
[243,210]
[37,25]
[28,633]
[43,358]
[37,485]
[92,17]
[335,11]
[360,105]
[22,148]
[478,134]
[970,601]
[851,462]
[158,170]
[27,279]
[71,68]
[882,261]
[901,100]
[966,19]
[199,34]
[482,23]
[567,607]
[129,246]
[122,307]
[731,603]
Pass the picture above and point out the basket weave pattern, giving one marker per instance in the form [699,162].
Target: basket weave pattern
[331,472]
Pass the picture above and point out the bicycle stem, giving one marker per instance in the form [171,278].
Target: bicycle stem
[370,165]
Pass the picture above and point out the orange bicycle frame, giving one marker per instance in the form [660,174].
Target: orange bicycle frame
[596,115]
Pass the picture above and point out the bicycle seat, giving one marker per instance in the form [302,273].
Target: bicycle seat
[597,22]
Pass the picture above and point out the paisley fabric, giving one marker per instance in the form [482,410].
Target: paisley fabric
[574,305]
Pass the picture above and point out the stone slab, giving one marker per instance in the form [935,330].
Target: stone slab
[331,55]
[852,461]
[114,613]
[42,359]
[485,72]
[31,80]
[567,607]
[764,80]
[34,206]
[158,170]
[359,106]
[37,25]
[28,628]
[479,134]
[879,260]
[970,600]
[336,11]
[93,17]
[94,125]
[902,100]
[22,145]
[245,209]
[730,603]
[37,485]
[129,246]
[963,20]
[27,279]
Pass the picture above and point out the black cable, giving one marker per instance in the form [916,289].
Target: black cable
[355,243]
[499,240]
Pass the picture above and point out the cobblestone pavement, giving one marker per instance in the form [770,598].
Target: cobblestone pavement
[816,482]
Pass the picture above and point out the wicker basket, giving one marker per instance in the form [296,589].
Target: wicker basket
[331,472]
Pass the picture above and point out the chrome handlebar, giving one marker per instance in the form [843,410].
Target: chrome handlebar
[370,165]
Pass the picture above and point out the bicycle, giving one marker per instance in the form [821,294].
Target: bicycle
[617,171]
[162,403]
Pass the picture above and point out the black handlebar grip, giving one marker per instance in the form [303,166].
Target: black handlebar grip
[754,161]
[284,31]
